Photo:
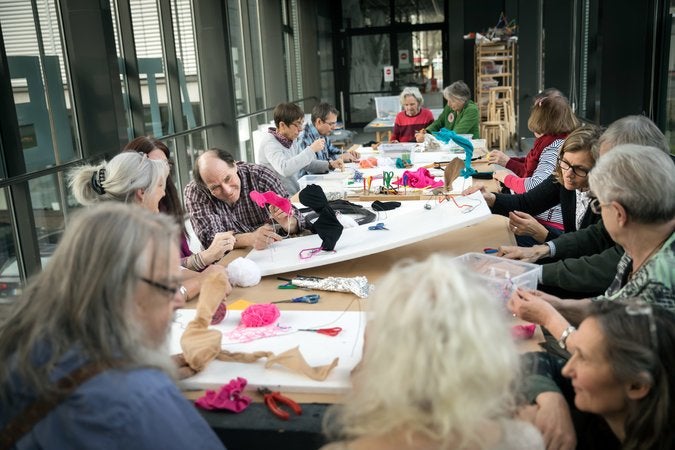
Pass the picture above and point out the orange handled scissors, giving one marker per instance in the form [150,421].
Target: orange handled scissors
[327,331]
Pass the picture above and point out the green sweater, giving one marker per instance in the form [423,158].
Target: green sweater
[464,122]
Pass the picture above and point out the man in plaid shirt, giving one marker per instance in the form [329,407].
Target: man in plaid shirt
[217,200]
[323,122]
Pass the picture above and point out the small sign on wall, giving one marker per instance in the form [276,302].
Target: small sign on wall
[403,59]
[388,74]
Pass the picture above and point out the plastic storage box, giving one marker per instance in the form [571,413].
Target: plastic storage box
[333,184]
[502,276]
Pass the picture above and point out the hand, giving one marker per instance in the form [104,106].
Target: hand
[264,236]
[488,196]
[394,141]
[420,135]
[554,421]
[184,371]
[528,254]
[499,175]
[337,164]
[288,223]
[355,155]
[348,157]
[318,145]
[523,224]
[532,308]
[221,244]
[497,157]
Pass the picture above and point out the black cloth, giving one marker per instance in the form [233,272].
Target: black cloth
[327,226]
[384,206]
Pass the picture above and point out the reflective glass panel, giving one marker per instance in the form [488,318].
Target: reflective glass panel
[418,11]
[365,13]
[186,53]
[10,280]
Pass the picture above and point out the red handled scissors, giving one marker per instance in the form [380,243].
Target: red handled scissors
[327,331]
[273,399]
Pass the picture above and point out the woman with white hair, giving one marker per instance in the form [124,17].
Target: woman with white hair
[629,184]
[413,118]
[437,368]
[460,115]
[83,354]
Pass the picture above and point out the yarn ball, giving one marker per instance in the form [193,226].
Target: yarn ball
[219,314]
[243,272]
[260,315]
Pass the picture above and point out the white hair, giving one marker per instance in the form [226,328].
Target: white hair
[411,92]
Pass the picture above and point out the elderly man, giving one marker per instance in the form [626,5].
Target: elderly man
[218,199]
[83,354]
[585,260]
[323,122]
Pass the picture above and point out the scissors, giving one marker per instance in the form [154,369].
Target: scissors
[310,298]
[273,399]
[378,226]
[327,331]
[386,179]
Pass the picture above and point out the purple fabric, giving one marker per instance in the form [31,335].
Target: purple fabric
[280,137]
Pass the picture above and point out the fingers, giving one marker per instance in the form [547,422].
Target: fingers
[474,188]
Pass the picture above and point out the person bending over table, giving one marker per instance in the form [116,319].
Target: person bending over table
[323,122]
[170,204]
[218,200]
[438,368]
[583,263]
[567,188]
[413,118]
[619,375]
[99,313]
[132,177]
[460,115]
[280,149]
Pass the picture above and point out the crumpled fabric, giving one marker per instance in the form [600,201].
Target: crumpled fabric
[523,332]
[272,198]
[451,172]
[291,359]
[229,397]
[327,226]
[445,135]
[356,285]
[419,179]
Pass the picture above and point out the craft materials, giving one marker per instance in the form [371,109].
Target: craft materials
[239,305]
[446,135]
[419,179]
[310,298]
[356,285]
[326,226]
[307,253]
[368,163]
[243,272]
[272,198]
[451,172]
[259,315]
[273,401]
[219,314]
[489,250]
[387,177]
[523,331]
[378,226]
[327,331]
[346,220]
[229,397]
[384,206]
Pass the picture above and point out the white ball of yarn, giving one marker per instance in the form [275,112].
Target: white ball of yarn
[243,272]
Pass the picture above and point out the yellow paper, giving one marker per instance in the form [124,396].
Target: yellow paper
[240,304]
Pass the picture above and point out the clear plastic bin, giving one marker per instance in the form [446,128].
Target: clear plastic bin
[502,276]
[333,184]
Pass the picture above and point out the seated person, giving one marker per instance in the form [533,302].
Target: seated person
[413,118]
[281,151]
[218,200]
[425,350]
[583,263]
[132,177]
[323,122]
[618,382]
[170,204]
[640,219]
[99,313]
[460,115]
[567,188]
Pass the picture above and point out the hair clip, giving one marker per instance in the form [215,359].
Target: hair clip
[97,179]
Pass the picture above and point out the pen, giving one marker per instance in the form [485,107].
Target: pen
[489,250]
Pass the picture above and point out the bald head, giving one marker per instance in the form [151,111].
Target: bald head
[216,170]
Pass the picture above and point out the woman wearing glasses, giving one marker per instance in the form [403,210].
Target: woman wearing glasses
[568,187]
[281,151]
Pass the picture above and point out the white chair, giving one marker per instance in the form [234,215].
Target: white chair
[387,106]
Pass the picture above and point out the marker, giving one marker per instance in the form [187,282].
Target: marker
[489,250]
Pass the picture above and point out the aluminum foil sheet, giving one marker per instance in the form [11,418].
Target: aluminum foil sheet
[356,285]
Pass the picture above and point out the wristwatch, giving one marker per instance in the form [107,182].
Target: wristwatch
[562,342]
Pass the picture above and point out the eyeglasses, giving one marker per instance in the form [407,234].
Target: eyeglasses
[162,287]
[596,206]
[578,171]
[330,124]
[639,307]
[297,124]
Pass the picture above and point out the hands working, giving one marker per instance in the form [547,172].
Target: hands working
[350,156]
[551,415]
[523,224]
[488,196]
[420,135]
[527,254]
[221,244]
[499,175]
[497,157]
[318,145]
[288,223]
[337,164]
[534,306]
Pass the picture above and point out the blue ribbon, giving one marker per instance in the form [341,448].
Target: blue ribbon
[446,135]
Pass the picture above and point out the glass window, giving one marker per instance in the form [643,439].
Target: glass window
[670,91]
[365,13]
[420,57]
[238,59]
[10,280]
[418,11]
[186,53]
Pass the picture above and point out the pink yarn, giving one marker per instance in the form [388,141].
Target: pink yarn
[419,179]
[260,315]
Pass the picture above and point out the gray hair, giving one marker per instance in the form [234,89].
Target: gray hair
[412,92]
[117,179]
[427,317]
[322,110]
[637,177]
[458,90]
[84,298]
[634,130]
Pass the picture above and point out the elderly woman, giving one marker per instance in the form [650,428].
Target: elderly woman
[82,347]
[639,218]
[135,178]
[427,379]
[568,187]
[413,118]
[460,115]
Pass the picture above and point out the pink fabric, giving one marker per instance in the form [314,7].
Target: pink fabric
[420,178]
[260,315]
[228,397]
[523,332]
[272,198]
